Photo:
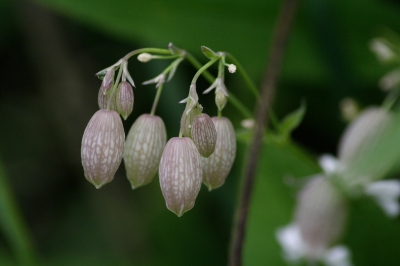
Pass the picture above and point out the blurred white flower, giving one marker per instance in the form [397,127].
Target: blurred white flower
[294,248]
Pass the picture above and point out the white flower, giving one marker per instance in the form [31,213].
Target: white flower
[294,248]
[386,194]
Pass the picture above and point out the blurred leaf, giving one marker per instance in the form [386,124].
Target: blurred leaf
[291,121]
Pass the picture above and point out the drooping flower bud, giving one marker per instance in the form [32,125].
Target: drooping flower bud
[102,147]
[104,97]
[180,174]
[204,135]
[216,168]
[321,214]
[220,99]
[124,99]
[187,120]
[143,148]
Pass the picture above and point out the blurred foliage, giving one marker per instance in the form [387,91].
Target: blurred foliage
[49,53]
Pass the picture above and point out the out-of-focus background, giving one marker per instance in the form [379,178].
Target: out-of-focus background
[49,53]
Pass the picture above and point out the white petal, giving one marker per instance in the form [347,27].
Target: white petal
[290,240]
[328,163]
[337,256]
[386,193]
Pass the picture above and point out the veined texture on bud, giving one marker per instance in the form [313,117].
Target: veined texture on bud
[102,147]
[180,174]
[204,135]
[124,99]
[187,121]
[103,98]
[216,168]
[143,148]
[321,214]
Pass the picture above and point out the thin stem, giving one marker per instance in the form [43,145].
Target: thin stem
[12,224]
[202,69]
[279,42]
[146,50]
[210,78]
[249,82]
[153,108]
[115,85]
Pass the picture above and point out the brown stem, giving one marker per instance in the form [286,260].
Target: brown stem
[279,42]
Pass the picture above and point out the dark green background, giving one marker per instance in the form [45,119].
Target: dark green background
[49,53]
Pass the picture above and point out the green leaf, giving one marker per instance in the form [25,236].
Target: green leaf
[209,53]
[292,120]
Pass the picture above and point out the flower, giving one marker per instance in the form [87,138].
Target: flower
[180,174]
[216,167]
[290,239]
[320,216]
[102,147]
[124,99]
[204,135]
[143,148]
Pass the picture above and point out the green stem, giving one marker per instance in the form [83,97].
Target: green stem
[153,108]
[115,85]
[210,78]
[202,69]
[147,50]
[249,82]
[12,224]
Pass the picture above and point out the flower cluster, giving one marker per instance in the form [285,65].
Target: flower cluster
[203,153]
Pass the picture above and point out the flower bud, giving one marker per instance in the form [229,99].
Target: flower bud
[124,99]
[216,168]
[103,99]
[321,214]
[144,57]
[220,99]
[187,121]
[204,135]
[180,174]
[231,68]
[143,148]
[102,147]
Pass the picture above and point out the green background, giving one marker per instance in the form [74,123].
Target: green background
[49,53]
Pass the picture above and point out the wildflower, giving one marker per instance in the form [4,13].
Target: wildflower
[102,147]
[124,99]
[320,217]
[321,213]
[180,174]
[143,148]
[216,167]
[204,135]
[290,239]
